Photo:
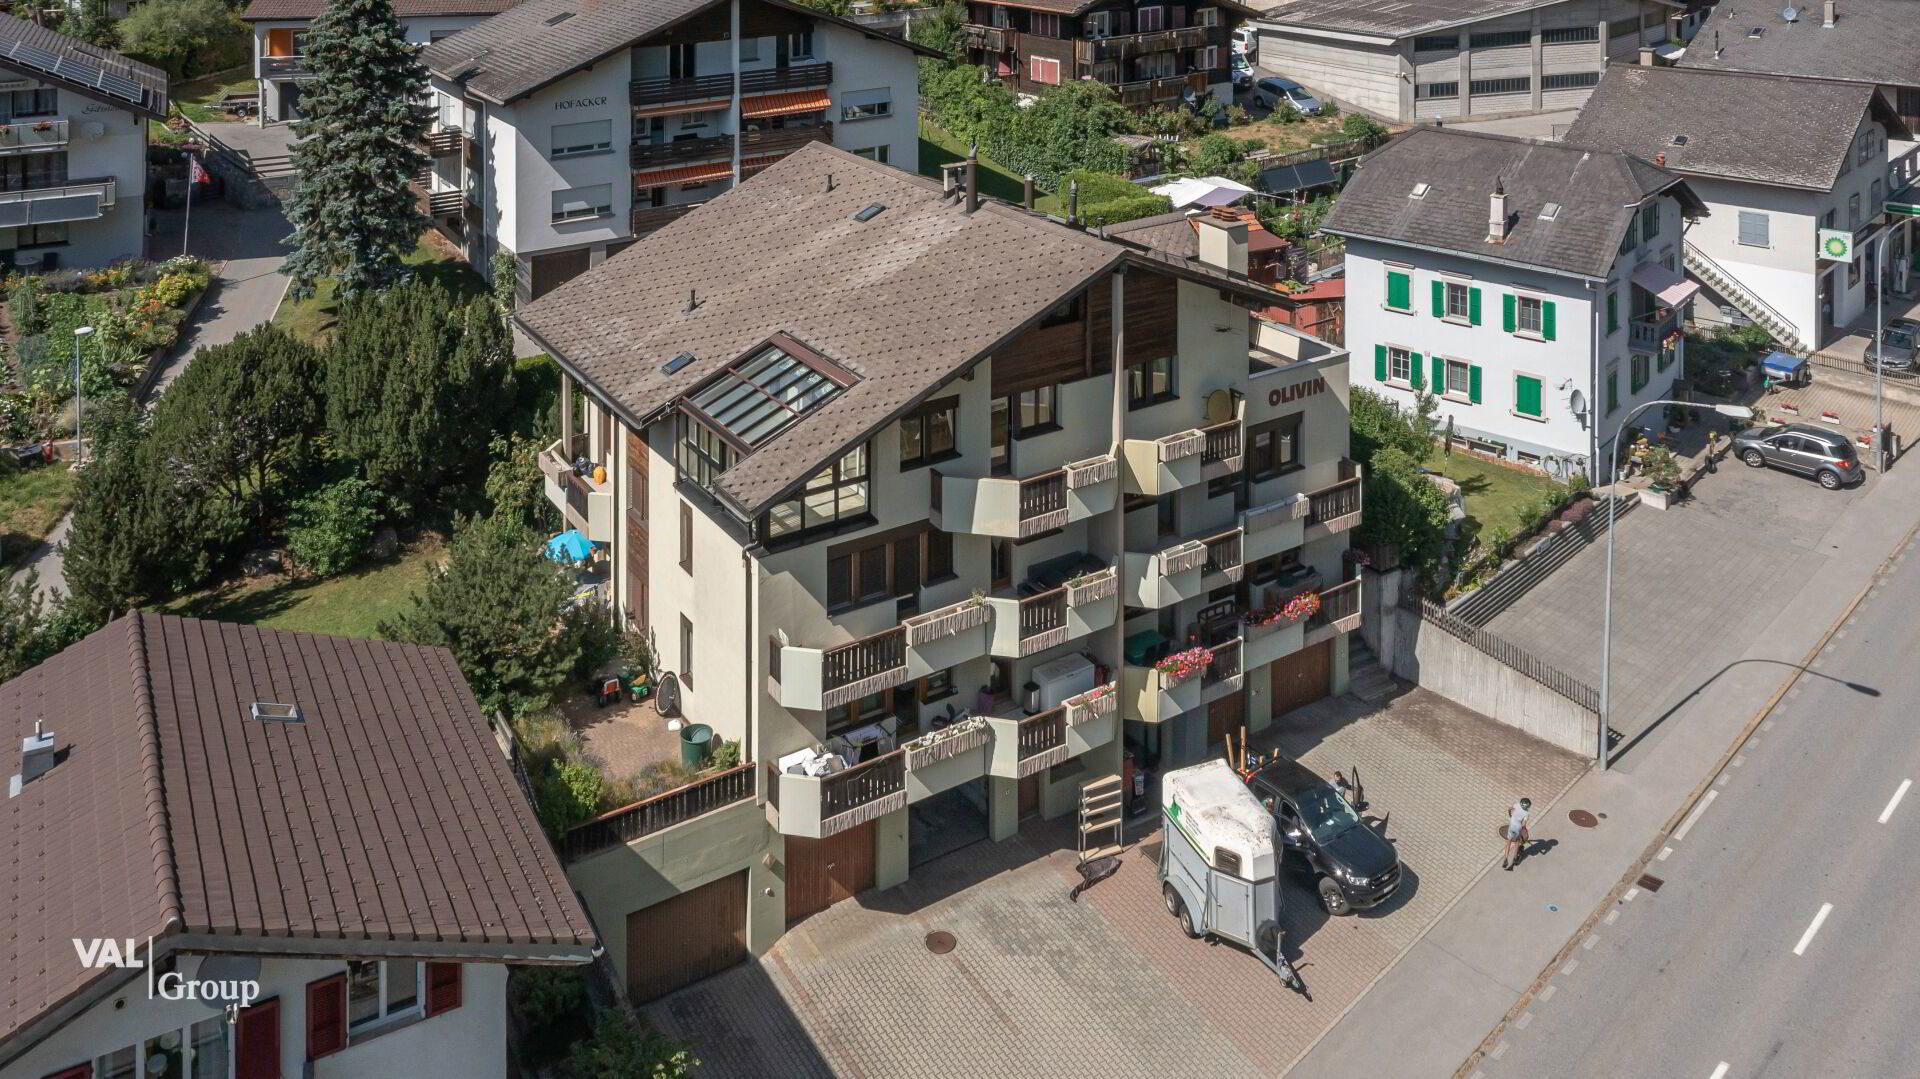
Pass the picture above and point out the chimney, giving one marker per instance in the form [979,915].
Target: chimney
[1832,13]
[1073,202]
[1646,56]
[36,758]
[1660,159]
[1716,44]
[973,178]
[1497,213]
[1223,239]
[1026,191]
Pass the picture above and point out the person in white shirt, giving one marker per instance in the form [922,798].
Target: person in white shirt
[1516,832]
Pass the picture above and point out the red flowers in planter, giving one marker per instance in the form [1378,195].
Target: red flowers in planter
[1181,666]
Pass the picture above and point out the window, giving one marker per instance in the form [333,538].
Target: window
[583,203]
[34,236]
[1613,388]
[1873,197]
[1099,24]
[881,567]
[1625,28]
[1043,24]
[1150,19]
[1574,81]
[380,990]
[686,537]
[1642,372]
[1273,449]
[19,103]
[1041,69]
[1527,311]
[1037,410]
[1853,272]
[927,433]
[1437,91]
[868,104]
[1208,58]
[704,455]
[1436,42]
[937,686]
[835,494]
[1864,151]
[1459,300]
[1613,311]
[587,137]
[1150,383]
[1753,228]
[1853,210]
[692,120]
[1501,86]
[1459,376]
[757,397]
[1399,365]
[1399,291]
[1567,35]
[198,1051]
[1501,39]
[800,45]
[1526,395]
[686,650]
[874,153]
[1207,16]
[749,48]
[29,171]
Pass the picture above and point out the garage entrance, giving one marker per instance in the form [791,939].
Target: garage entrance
[681,940]
[944,823]
[1302,678]
[822,872]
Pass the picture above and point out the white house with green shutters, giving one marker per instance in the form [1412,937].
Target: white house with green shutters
[1536,289]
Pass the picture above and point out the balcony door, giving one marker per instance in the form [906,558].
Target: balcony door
[1000,444]
[682,62]
[29,172]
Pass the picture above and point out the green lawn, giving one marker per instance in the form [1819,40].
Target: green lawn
[312,318]
[939,146]
[198,99]
[350,605]
[1495,494]
[32,501]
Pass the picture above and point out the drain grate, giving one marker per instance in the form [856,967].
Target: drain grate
[1650,882]
[940,942]
[1583,818]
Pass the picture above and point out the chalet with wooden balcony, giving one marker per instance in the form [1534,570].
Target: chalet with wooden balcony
[914,491]
[568,129]
[1150,53]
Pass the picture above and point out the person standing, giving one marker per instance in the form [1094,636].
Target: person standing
[1516,833]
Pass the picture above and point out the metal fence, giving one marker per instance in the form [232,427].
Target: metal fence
[1506,652]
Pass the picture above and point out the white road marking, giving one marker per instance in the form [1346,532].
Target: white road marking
[1590,942]
[1664,851]
[1694,817]
[1547,993]
[1572,965]
[1521,1023]
[1631,892]
[1719,1071]
[1806,938]
[1841,635]
[1767,726]
[1499,1051]
[1895,802]
[1753,741]
[1722,781]
[1740,760]
[1613,916]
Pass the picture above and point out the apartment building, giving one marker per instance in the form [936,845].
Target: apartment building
[73,149]
[1151,53]
[1535,288]
[900,524]
[1460,58]
[242,853]
[566,129]
[280,31]
[1772,188]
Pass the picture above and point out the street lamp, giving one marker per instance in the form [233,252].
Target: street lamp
[79,447]
[1606,631]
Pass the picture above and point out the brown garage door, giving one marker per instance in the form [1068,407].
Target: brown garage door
[550,271]
[689,937]
[822,872]
[1229,713]
[1302,678]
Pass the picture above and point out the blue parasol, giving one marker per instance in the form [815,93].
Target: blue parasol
[569,546]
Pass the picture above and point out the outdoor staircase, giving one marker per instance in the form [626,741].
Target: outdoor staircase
[1716,277]
[1366,678]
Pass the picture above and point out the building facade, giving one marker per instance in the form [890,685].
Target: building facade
[1462,58]
[1535,289]
[950,549]
[1151,53]
[562,132]
[73,150]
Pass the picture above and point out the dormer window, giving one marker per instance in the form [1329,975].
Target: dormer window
[755,398]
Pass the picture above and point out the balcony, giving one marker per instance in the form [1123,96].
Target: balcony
[720,87]
[1221,455]
[284,67]
[1020,508]
[660,812]
[1335,508]
[1223,555]
[1224,675]
[1339,612]
[988,38]
[947,637]
[1264,643]
[816,807]
[1146,92]
[1160,466]
[1647,331]
[32,135]
[1149,696]
[70,200]
[1031,625]
[443,142]
[1165,577]
[1275,526]
[649,218]
[818,679]
[1125,47]
[587,506]
[446,202]
[720,147]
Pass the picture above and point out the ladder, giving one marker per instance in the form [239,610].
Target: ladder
[1102,814]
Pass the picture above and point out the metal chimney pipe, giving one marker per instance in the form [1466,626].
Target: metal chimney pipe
[1026,192]
[973,178]
[1073,202]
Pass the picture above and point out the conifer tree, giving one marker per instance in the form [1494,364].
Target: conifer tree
[353,214]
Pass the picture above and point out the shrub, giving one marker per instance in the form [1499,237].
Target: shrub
[1131,208]
[24,308]
[546,995]
[1329,110]
[1404,509]
[1284,113]
[726,755]
[624,1048]
[331,527]
[567,793]
[1359,126]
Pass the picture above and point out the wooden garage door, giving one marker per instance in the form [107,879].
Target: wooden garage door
[550,271]
[689,937]
[822,872]
[1302,678]
[1229,713]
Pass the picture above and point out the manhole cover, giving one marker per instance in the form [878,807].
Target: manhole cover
[1583,818]
[1553,908]
[940,942]
[1650,882]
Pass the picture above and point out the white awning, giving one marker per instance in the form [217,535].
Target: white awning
[1203,191]
[1668,286]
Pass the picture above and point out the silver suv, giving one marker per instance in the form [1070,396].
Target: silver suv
[1798,447]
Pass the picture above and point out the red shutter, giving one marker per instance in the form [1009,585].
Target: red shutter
[78,1071]
[443,987]
[256,1038]
[326,1016]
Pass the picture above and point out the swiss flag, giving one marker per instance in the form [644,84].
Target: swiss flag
[195,174]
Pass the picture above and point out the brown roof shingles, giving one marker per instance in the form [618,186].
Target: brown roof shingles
[389,815]
[276,10]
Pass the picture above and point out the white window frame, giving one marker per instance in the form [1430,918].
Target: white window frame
[1538,330]
[1207,17]
[597,212]
[852,111]
[875,153]
[795,40]
[1206,57]
[187,1052]
[1099,24]
[1037,64]
[1400,359]
[1463,395]
[1465,317]
[384,1017]
[1159,19]
[577,148]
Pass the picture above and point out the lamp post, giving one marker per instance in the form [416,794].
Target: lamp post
[1606,631]
[79,446]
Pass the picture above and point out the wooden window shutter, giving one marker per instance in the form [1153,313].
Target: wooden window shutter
[1379,363]
[1439,299]
[1546,320]
[1526,395]
[1413,371]
[1473,384]
[1399,290]
[1473,306]
[1613,311]
[78,1071]
[1509,321]
[1439,382]
[256,1039]
[326,1016]
[443,987]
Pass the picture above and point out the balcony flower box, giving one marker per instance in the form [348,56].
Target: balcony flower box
[1304,605]
[948,742]
[1180,666]
[947,621]
[1093,704]
[1789,406]
[1092,587]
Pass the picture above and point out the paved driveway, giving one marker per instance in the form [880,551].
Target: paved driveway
[1108,986]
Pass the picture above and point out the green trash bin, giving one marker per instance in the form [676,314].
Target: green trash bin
[696,744]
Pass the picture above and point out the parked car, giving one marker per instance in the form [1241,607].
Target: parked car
[1246,41]
[1896,349]
[1351,866]
[1242,73]
[1273,92]
[1825,455]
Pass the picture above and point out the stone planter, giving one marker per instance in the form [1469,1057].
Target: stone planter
[1083,708]
[947,621]
[1104,584]
[1653,498]
[940,745]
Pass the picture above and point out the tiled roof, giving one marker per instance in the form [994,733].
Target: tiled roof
[1393,18]
[1597,190]
[388,819]
[1178,234]
[53,57]
[1874,41]
[275,10]
[1787,131]
[540,42]
[1075,7]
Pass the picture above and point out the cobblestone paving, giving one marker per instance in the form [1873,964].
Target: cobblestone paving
[1039,986]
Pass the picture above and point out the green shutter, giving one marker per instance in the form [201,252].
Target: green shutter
[1546,320]
[1473,306]
[1613,311]
[1509,321]
[1439,299]
[1526,395]
[1613,390]
[1413,371]
[1399,291]
[1439,382]
[1473,384]
[1379,363]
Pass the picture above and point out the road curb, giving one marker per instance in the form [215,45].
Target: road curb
[1632,875]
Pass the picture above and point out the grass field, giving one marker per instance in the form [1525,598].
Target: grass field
[352,604]
[313,318]
[32,501]
[939,146]
[198,99]
[1495,494]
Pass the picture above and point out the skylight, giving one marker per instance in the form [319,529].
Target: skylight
[1679,140]
[754,399]
[1758,31]
[870,212]
[556,20]
[1550,212]
[1420,191]
[674,366]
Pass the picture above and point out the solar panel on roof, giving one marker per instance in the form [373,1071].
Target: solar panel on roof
[72,70]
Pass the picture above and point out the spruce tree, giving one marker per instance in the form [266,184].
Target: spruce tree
[353,214]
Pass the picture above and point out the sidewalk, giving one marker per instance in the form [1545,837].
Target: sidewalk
[1429,1011]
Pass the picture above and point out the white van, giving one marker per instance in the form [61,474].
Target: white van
[1246,42]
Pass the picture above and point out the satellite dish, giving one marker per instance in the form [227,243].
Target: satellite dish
[1578,402]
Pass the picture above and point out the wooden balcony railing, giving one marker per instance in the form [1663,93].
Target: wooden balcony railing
[1042,741]
[1130,46]
[1225,665]
[1340,602]
[988,38]
[1170,88]
[1223,445]
[1223,554]
[442,143]
[720,87]
[447,203]
[863,785]
[1331,503]
[660,812]
[646,155]
[1043,621]
[864,666]
[1043,503]
[650,218]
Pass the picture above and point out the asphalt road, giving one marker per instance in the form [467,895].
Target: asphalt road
[1781,941]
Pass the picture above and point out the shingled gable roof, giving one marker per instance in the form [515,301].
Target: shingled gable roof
[540,42]
[1076,7]
[273,10]
[1598,192]
[1875,41]
[1765,129]
[75,65]
[386,823]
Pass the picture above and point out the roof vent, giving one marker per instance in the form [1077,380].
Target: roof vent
[1419,191]
[1790,14]
[871,212]
[1550,212]
[677,364]
[1757,32]
[556,20]
[37,757]
[273,712]
[1679,140]
[464,68]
